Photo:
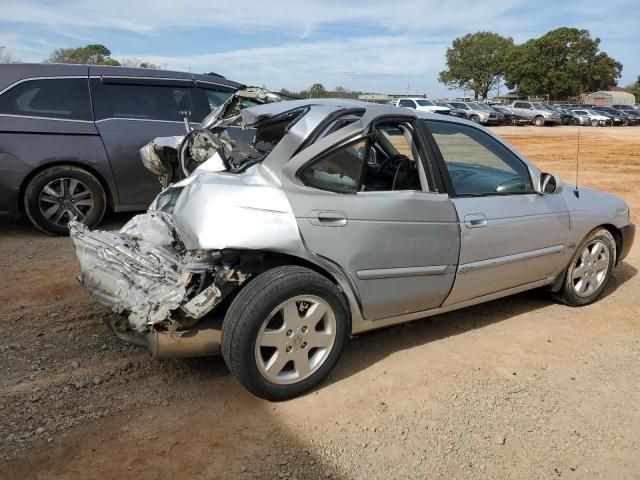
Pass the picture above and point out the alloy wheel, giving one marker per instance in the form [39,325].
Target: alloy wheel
[64,199]
[590,269]
[296,339]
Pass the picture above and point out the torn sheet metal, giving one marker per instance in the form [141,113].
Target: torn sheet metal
[175,158]
[144,272]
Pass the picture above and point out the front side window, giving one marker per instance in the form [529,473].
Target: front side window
[141,102]
[60,98]
[521,105]
[477,163]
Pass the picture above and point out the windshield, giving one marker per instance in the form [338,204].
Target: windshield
[475,106]
[538,106]
[484,106]
[425,103]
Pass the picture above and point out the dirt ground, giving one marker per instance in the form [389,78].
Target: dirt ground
[520,388]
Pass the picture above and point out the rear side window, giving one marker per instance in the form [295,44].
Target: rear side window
[60,98]
[339,170]
[141,102]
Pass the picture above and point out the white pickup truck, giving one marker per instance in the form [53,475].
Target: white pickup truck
[421,104]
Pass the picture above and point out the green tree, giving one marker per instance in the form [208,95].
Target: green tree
[317,90]
[635,89]
[93,54]
[5,56]
[476,62]
[137,63]
[563,62]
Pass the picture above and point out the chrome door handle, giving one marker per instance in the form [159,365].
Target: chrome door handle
[475,220]
[328,218]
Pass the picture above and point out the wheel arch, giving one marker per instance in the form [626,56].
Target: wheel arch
[617,237]
[272,259]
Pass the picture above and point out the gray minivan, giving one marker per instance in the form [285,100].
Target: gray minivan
[70,135]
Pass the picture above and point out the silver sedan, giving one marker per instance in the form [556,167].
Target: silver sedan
[287,227]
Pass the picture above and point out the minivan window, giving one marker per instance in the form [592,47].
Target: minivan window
[141,102]
[59,98]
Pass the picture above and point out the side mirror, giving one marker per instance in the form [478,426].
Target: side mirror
[549,183]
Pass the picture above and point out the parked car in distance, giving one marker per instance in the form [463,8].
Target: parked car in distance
[510,117]
[595,118]
[617,120]
[345,217]
[566,117]
[582,118]
[477,114]
[70,135]
[629,110]
[422,105]
[536,113]
[619,117]
[456,112]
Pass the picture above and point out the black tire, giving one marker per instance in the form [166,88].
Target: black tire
[594,123]
[475,118]
[251,308]
[538,121]
[568,294]
[88,187]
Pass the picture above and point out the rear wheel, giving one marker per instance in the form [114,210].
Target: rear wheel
[284,332]
[590,269]
[58,194]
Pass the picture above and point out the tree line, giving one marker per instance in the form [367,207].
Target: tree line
[561,63]
[92,54]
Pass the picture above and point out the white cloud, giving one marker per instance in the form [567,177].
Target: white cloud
[301,17]
[367,62]
[404,40]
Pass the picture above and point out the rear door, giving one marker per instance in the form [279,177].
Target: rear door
[369,205]
[130,112]
[511,236]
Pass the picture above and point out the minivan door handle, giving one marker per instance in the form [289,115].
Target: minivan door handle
[328,218]
[475,220]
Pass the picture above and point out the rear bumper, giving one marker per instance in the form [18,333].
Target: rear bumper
[628,236]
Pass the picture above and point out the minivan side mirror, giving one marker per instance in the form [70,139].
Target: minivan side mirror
[549,183]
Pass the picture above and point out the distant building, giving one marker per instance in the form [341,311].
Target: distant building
[615,96]
[374,97]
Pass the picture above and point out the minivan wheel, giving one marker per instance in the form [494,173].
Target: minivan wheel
[58,194]
[538,121]
[284,332]
[590,269]
[475,119]
[594,123]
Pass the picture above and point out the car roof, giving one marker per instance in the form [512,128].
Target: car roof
[13,72]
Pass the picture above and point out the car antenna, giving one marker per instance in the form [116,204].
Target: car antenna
[575,190]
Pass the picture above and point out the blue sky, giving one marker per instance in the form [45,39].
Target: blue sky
[378,46]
